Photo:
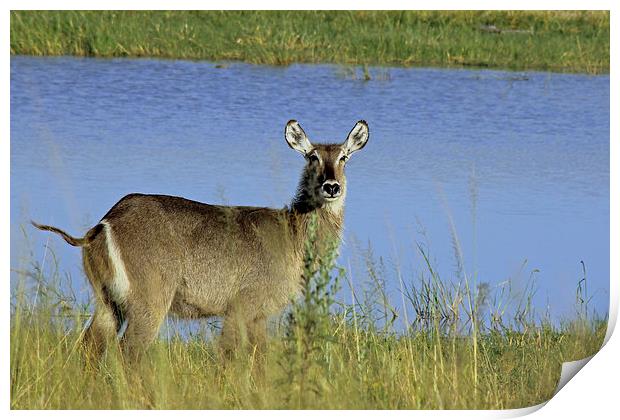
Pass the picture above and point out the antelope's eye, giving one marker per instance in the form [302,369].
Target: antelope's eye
[343,159]
[313,158]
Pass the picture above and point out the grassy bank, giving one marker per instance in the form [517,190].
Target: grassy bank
[461,349]
[554,41]
[356,369]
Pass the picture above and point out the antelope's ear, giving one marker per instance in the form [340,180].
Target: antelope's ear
[296,138]
[357,139]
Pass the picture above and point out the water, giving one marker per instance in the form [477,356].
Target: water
[519,161]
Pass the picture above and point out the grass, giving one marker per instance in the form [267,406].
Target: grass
[563,41]
[460,349]
[360,369]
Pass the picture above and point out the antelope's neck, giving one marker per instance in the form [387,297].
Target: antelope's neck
[329,223]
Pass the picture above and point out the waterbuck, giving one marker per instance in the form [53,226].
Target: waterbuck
[151,255]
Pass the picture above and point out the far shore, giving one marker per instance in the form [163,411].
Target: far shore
[558,41]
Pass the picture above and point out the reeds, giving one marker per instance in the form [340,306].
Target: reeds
[563,41]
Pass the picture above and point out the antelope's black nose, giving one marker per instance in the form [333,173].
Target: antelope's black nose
[331,188]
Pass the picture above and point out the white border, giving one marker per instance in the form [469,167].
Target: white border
[593,394]
[317,4]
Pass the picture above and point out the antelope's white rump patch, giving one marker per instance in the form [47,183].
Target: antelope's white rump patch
[120,283]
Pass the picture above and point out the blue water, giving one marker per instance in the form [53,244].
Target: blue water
[519,161]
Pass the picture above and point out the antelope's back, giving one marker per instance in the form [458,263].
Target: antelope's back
[210,254]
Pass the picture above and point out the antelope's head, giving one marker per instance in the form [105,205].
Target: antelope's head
[323,182]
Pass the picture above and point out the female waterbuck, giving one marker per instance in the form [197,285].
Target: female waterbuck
[151,255]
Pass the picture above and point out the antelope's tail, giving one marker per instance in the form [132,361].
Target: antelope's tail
[87,239]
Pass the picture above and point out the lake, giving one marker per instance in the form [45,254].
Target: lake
[518,161]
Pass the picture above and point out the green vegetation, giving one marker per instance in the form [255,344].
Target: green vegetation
[461,350]
[565,41]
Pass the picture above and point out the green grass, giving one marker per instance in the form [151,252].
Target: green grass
[360,369]
[564,41]
[324,353]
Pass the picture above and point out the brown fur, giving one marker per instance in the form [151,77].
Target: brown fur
[198,260]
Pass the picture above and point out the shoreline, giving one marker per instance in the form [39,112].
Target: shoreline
[559,42]
[356,70]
